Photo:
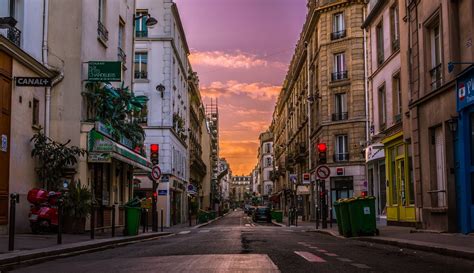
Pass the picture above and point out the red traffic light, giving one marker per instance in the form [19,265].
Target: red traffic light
[155,195]
[322,147]
[154,148]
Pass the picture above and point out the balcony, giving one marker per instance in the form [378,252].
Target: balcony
[339,75]
[341,157]
[90,109]
[8,29]
[141,75]
[380,57]
[102,31]
[396,45]
[141,33]
[121,55]
[340,116]
[436,74]
[338,34]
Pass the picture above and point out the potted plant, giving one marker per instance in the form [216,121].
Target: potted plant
[77,205]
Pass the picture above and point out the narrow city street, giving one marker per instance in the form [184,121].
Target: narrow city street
[235,244]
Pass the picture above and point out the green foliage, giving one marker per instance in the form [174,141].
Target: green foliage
[78,201]
[118,109]
[178,125]
[54,158]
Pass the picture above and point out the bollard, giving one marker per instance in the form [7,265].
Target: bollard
[330,217]
[113,220]
[60,221]
[144,215]
[190,224]
[14,199]
[317,217]
[93,221]
[161,220]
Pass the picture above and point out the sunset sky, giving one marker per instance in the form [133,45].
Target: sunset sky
[241,50]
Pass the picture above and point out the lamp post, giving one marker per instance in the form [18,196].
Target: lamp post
[150,21]
[160,88]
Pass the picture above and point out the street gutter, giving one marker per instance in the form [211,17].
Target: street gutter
[29,257]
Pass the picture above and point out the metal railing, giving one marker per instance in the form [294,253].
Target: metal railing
[380,57]
[141,33]
[436,77]
[338,34]
[141,75]
[90,109]
[121,55]
[396,44]
[338,157]
[102,31]
[8,29]
[340,116]
[339,75]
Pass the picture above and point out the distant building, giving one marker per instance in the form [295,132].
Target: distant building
[240,189]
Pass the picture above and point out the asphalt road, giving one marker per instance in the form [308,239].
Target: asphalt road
[236,244]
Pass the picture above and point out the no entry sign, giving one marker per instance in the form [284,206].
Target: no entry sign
[323,172]
[156,172]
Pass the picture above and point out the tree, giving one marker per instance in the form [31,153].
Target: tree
[54,157]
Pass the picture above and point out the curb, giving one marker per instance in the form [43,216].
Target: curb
[278,224]
[209,222]
[417,245]
[327,232]
[50,253]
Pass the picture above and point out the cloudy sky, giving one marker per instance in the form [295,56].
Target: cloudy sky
[241,50]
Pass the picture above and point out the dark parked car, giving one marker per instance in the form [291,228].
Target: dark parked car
[262,214]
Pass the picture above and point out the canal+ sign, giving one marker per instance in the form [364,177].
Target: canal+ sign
[465,89]
[33,81]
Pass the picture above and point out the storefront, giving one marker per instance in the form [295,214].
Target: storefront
[400,185]
[376,176]
[465,151]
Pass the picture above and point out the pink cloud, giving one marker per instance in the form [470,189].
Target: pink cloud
[235,60]
[257,90]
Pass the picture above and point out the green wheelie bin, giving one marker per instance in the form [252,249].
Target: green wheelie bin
[277,215]
[362,216]
[133,220]
[344,217]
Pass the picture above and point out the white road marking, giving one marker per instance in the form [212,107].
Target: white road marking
[363,266]
[344,260]
[204,230]
[310,257]
[185,232]
[331,254]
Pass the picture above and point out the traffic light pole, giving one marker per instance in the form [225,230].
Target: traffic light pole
[324,204]
[154,212]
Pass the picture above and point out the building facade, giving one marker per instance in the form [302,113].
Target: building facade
[240,190]
[265,162]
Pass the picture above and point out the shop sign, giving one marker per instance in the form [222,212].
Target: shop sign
[293,178]
[302,190]
[165,178]
[192,189]
[465,90]
[104,71]
[162,192]
[33,81]
[306,178]
[101,128]
[99,158]
[340,171]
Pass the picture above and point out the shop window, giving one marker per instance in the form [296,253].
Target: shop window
[393,176]
[411,184]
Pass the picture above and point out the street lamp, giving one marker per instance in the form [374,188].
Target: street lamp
[160,88]
[453,124]
[150,21]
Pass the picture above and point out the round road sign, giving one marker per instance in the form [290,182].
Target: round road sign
[156,172]
[323,172]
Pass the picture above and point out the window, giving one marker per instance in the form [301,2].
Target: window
[342,152]
[121,42]
[382,107]
[102,31]
[435,72]
[379,39]
[141,65]
[340,72]
[141,29]
[438,192]
[394,28]
[268,148]
[338,26]
[102,11]
[268,162]
[397,99]
[340,107]
[7,8]
[36,108]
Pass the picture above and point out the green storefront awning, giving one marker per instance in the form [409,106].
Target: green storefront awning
[102,149]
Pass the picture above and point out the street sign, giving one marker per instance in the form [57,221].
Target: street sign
[293,178]
[306,178]
[323,172]
[105,71]
[156,172]
[162,192]
[33,81]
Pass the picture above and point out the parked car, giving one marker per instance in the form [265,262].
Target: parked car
[250,210]
[262,214]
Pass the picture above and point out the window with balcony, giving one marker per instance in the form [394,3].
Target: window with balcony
[102,32]
[394,28]
[379,40]
[8,13]
[397,99]
[338,29]
[121,43]
[141,29]
[339,71]
[141,65]
[340,107]
[268,162]
[436,64]
[342,151]
[382,105]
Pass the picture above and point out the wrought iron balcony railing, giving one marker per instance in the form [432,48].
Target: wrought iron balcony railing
[121,55]
[141,75]
[339,157]
[338,34]
[340,116]
[102,31]
[396,44]
[141,33]
[339,75]
[436,77]
[8,29]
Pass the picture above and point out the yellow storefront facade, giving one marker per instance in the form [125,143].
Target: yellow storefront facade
[400,183]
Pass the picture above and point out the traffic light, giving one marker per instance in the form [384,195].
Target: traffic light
[322,149]
[154,153]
